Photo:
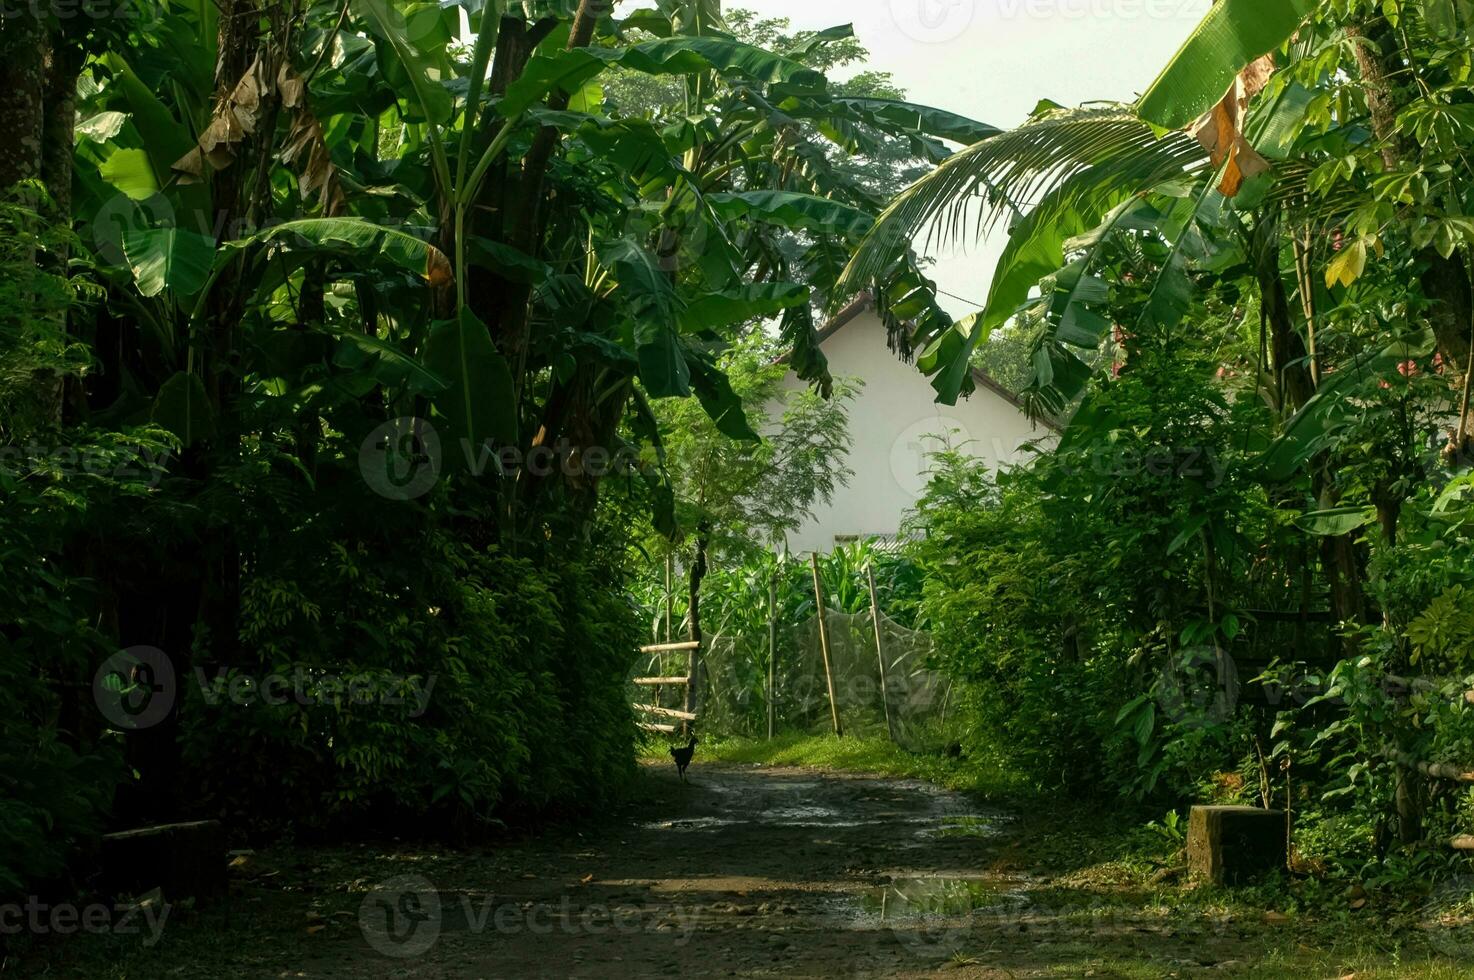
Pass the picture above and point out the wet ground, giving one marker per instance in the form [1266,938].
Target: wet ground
[741,872]
[773,872]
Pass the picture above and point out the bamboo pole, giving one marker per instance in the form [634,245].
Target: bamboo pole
[824,644]
[1433,770]
[885,701]
[666,647]
[665,712]
[670,572]
[670,562]
[772,648]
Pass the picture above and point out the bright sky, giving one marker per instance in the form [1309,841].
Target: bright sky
[993,60]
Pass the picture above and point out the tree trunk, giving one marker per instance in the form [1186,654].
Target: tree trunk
[693,597]
[1445,281]
[58,127]
[1343,571]
[199,605]
[525,218]
[1376,57]
[23,46]
[1287,353]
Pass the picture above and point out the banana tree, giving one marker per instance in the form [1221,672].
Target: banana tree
[330,230]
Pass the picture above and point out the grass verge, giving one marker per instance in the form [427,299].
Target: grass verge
[849,754]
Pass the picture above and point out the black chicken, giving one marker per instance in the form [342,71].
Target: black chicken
[683,756]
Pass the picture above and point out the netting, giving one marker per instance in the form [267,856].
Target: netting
[733,682]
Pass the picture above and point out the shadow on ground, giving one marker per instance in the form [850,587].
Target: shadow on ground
[742,872]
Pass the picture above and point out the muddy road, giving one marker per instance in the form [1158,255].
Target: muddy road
[739,872]
[742,872]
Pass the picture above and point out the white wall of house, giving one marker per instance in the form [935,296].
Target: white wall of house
[894,423]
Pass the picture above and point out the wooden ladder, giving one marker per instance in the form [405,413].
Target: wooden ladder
[654,707]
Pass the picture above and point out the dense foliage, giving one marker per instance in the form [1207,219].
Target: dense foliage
[354,359]
[333,340]
[1241,571]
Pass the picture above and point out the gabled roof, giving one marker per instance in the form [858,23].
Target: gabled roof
[865,300]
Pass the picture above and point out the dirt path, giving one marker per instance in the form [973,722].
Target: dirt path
[743,872]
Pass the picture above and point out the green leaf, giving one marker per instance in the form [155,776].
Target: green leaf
[1335,521]
[896,116]
[737,305]
[954,353]
[646,427]
[168,258]
[1131,706]
[434,102]
[569,71]
[183,408]
[805,358]
[722,404]
[480,402]
[362,238]
[804,212]
[853,122]
[1191,528]
[651,302]
[510,263]
[663,368]
[1228,39]
[131,172]
[103,126]
[164,136]
[647,288]
[1316,425]
[839,32]
[424,379]
[1081,159]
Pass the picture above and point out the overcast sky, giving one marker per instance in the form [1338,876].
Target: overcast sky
[994,60]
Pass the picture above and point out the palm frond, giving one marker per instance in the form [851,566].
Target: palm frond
[1004,175]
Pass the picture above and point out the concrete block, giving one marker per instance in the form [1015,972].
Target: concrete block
[1232,844]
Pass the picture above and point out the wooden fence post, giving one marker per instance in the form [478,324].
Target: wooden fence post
[824,643]
[772,648]
[670,571]
[670,562]
[885,702]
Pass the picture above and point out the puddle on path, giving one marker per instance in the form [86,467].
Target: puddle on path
[691,823]
[935,897]
[966,825]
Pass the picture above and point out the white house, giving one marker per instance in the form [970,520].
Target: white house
[895,422]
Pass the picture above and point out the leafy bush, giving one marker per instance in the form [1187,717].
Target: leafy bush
[57,770]
[486,685]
